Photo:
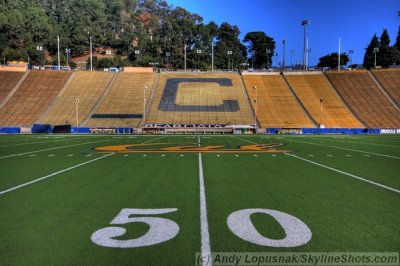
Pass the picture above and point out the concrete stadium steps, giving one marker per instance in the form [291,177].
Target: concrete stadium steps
[310,89]
[390,81]
[125,97]
[32,98]
[88,87]
[365,98]
[8,82]
[276,105]
[202,98]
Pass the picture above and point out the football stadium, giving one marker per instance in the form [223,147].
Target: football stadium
[193,154]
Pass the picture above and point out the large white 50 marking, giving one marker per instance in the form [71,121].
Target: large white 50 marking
[162,229]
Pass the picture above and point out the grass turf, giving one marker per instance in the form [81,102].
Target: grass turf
[50,222]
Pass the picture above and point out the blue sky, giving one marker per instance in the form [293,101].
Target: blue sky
[356,21]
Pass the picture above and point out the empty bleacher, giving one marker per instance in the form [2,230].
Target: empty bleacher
[202,98]
[390,80]
[88,87]
[8,80]
[32,98]
[365,98]
[310,89]
[276,105]
[124,98]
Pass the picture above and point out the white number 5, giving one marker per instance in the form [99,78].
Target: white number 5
[161,229]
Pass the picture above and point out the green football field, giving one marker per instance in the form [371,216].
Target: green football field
[163,200]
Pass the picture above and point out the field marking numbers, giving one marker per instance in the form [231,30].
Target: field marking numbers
[53,174]
[341,148]
[297,232]
[49,149]
[335,170]
[205,235]
[161,229]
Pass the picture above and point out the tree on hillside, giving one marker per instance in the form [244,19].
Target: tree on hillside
[385,54]
[369,57]
[258,44]
[331,60]
[229,51]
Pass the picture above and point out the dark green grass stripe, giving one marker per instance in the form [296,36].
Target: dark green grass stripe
[53,174]
[49,149]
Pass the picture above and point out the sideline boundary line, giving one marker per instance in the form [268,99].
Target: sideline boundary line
[205,235]
[53,174]
[335,170]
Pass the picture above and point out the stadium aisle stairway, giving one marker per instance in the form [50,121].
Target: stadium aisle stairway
[365,98]
[125,97]
[310,89]
[8,82]
[32,98]
[200,100]
[390,80]
[276,105]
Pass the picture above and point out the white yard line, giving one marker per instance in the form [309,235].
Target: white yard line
[153,139]
[53,174]
[357,142]
[344,173]
[205,235]
[49,149]
[341,148]
[335,170]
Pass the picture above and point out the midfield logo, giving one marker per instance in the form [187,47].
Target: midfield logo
[172,148]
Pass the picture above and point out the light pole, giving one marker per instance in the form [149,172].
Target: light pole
[245,65]
[68,51]
[308,54]
[91,53]
[277,60]
[77,114]
[229,53]
[58,51]
[168,54]
[268,51]
[255,106]
[39,49]
[291,57]
[351,56]
[144,104]
[320,112]
[376,50]
[198,51]
[305,23]
[284,54]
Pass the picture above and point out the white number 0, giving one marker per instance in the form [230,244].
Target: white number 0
[297,232]
[161,229]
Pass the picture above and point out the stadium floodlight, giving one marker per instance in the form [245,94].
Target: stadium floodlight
[255,106]
[198,52]
[167,54]
[144,104]
[68,52]
[305,23]
[351,51]
[376,50]
[291,57]
[39,49]
[77,114]
[268,51]
[284,54]
[229,53]
[91,53]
